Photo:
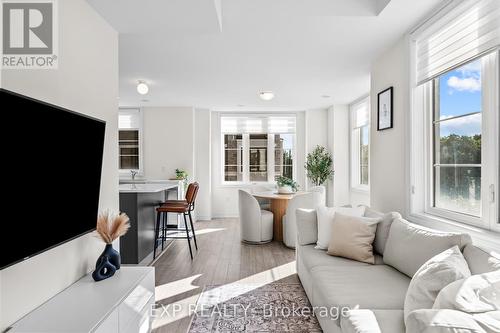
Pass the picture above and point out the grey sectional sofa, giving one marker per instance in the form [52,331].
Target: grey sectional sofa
[378,290]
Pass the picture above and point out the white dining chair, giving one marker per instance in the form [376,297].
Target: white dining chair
[310,200]
[259,188]
[256,224]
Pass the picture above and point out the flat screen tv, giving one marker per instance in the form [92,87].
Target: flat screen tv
[51,170]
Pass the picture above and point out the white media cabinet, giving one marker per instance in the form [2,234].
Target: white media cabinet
[120,304]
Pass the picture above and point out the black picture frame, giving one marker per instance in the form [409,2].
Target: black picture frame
[385,120]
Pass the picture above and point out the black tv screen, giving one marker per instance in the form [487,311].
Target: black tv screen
[51,165]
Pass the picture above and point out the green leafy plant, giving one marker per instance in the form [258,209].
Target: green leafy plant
[319,166]
[182,175]
[285,181]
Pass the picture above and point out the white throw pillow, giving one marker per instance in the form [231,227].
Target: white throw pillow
[325,220]
[438,272]
[476,294]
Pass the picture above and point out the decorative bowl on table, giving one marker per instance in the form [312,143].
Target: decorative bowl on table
[286,185]
[287,189]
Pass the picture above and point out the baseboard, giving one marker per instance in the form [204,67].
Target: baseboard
[224,216]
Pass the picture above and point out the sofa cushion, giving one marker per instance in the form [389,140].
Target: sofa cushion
[438,272]
[409,245]
[383,227]
[481,261]
[325,220]
[307,226]
[373,321]
[352,237]
[366,286]
[450,321]
[312,257]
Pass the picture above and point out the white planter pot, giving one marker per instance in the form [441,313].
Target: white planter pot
[285,189]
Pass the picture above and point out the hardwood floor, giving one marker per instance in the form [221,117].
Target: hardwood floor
[221,259]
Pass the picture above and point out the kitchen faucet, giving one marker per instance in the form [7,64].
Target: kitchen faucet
[133,173]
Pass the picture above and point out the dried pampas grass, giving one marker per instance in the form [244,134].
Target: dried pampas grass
[110,226]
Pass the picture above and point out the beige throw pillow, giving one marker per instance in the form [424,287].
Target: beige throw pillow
[352,237]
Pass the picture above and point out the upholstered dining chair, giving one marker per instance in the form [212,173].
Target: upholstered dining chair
[258,188]
[256,224]
[310,200]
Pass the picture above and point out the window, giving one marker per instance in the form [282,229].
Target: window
[129,140]
[360,144]
[258,157]
[283,155]
[454,169]
[257,148]
[457,133]
[233,158]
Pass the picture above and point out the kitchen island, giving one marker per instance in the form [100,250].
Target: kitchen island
[138,201]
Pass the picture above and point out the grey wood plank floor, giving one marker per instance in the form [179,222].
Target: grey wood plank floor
[221,259]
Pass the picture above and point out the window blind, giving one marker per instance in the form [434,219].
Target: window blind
[249,124]
[467,30]
[129,119]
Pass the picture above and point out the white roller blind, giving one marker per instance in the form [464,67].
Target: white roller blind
[466,31]
[129,119]
[250,124]
[277,125]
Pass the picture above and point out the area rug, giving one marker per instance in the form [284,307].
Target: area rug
[275,307]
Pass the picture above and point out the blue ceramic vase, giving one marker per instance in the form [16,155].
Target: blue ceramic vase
[107,264]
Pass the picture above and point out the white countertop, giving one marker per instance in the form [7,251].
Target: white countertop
[148,187]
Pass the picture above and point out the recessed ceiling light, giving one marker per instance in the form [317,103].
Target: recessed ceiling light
[266,95]
[145,100]
[142,88]
[326,96]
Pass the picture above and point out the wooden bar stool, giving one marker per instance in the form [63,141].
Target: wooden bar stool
[184,207]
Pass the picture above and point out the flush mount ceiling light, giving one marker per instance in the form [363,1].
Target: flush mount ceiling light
[142,88]
[266,95]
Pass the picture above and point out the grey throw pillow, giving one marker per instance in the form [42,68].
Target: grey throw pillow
[307,226]
[382,228]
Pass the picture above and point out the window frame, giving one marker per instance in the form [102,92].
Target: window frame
[421,203]
[246,152]
[140,129]
[355,146]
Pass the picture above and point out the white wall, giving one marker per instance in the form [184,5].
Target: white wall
[387,148]
[86,81]
[338,143]
[316,126]
[203,170]
[168,134]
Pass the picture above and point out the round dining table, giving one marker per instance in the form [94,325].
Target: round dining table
[279,203]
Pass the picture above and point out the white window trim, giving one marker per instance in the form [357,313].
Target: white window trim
[420,179]
[354,175]
[123,173]
[246,165]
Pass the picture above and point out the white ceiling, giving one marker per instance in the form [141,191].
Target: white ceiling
[300,49]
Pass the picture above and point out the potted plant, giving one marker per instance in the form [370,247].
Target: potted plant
[319,166]
[286,185]
[182,175]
